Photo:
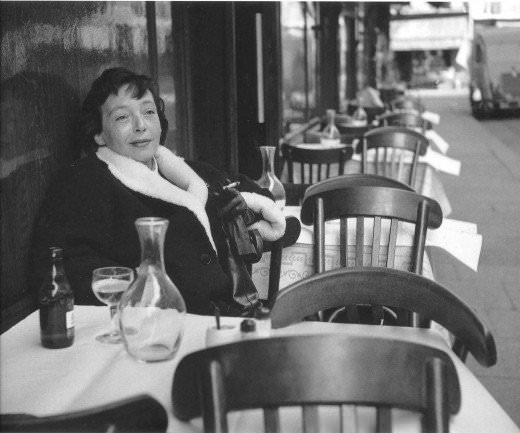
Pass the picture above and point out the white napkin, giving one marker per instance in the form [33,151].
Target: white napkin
[436,139]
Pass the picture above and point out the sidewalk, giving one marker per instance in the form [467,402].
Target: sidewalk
[487,193]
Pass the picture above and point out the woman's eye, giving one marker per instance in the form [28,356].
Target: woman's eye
[121,118]
[150,111]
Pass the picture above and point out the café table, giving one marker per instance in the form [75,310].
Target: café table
[41,381]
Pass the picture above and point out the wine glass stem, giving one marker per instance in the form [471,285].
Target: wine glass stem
[113,320]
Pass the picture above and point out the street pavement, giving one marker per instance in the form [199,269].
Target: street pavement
[487,193]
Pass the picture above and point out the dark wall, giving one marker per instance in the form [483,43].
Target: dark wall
[218,78]
[51,52]
[209,79]
[253,133]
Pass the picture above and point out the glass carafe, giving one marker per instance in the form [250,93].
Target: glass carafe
[330,135]
[268,178]
[152,310]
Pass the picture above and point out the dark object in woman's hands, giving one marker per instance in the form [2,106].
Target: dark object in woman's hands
[236,216]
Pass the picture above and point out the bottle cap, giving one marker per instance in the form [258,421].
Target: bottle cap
[248,325]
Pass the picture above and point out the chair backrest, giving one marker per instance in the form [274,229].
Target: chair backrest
[393,288]
[310,370]
[348,133]
[292,232]
[371,206]
[393,151]
[314,160]
[356,179]
[406,119]
[372,112]
[407,104]
[141,413]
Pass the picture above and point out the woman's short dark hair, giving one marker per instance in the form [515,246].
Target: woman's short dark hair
[109,83]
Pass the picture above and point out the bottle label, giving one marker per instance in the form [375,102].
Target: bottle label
[69,319]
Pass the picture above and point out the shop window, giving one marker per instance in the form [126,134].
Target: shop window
[298,61]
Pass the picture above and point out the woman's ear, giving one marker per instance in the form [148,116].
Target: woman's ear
[98,138]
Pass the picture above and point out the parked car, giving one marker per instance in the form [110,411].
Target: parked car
[495,70]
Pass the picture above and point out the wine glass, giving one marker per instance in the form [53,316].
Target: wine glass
[108,284]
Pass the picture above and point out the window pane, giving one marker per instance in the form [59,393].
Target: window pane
[165,67]
[299,76]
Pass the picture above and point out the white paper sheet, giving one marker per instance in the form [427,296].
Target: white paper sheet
[437,140]
[441,162]
[431,117]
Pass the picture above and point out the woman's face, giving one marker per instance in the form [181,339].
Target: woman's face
[130,126]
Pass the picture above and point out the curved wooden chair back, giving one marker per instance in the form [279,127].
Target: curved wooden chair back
[406,119]
[393,151]
[313,160]
[348,133]
[371,206]
[141,413]
[407,104]
[372,112]
[356,179]
[311,370]
[394,288]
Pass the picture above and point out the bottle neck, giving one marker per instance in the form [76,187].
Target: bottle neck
[57,262]
[268,153]
[331,115]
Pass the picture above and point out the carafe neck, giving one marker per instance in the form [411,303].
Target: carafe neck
[152,232]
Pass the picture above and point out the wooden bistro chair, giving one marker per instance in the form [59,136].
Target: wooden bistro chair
[311,370]
[407,104]
[372,112]
[349,134]
[137,414]
[394,288]
[314,160]
[379,212]
[393,151]
[406,119]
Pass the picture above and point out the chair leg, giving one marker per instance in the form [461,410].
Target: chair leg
[213,399]
[436,418]
[310,419]
[384,420]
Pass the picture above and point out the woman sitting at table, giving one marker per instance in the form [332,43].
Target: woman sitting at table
[91,207]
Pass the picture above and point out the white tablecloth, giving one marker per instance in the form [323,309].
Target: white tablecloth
[43,381]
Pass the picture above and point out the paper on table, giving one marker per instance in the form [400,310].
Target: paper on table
[436,139]
[441,162]
[462,245]
[431,117]
[459,238]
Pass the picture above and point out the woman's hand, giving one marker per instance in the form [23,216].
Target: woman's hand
[272,225]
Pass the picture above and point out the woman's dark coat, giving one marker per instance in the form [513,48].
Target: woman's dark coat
[91,214]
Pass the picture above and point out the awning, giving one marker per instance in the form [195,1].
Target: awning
[433,33]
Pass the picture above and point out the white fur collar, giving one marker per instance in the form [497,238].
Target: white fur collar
[140,178]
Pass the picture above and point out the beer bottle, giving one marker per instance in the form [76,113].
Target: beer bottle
[56,302]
